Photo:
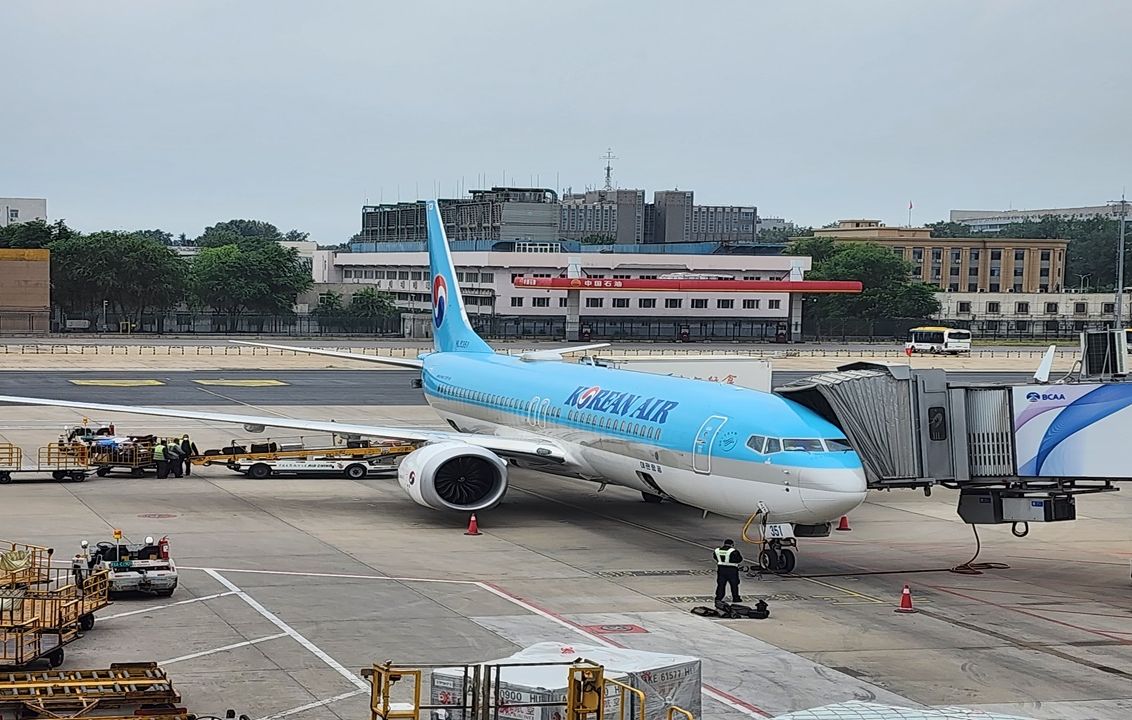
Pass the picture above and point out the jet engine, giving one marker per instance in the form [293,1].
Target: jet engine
[453,476]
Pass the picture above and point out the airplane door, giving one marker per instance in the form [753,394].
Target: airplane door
[705,438]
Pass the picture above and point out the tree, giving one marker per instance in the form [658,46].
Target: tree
[248,274]
[598,239]
[945,229]
[371,304]
[132,272]
[784,235]
[331,311]
[165,238]
[235,232]
[34,234]
[888,290]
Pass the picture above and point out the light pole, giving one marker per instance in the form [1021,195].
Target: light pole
[1120,265]
[1081,277]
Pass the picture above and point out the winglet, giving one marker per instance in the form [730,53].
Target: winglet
[1041,375]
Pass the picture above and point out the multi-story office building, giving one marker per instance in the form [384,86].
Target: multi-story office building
[615,215]
[513,214]
[992,221]
[21,210]
[1038,314]
[966,264]
[535,215]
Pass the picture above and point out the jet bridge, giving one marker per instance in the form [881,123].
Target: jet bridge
[1015,452]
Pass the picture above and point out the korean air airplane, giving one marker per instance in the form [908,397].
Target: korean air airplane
[724,449]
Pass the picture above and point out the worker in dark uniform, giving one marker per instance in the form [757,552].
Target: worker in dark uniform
[176,461]
[189,449]
[727,560]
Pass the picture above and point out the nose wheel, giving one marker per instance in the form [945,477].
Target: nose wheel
[777,557]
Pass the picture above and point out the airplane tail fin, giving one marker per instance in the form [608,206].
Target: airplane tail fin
[451,330]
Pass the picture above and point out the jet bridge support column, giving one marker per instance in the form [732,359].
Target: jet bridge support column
[573,300]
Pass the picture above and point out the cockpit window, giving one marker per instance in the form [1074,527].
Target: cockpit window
[802,445]
[838,445]
[773,445]
[756,443]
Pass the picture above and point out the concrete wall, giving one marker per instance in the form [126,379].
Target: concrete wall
[25,291]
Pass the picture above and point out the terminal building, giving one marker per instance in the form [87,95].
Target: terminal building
[496,306]
[977,264]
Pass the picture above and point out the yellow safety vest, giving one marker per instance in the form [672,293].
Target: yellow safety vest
[723,557]
[158,452]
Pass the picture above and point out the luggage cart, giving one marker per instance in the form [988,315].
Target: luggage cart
[134,456]
[65,603]
[64,461]
[128,689]
[304,456]
[24,645]
[23,565]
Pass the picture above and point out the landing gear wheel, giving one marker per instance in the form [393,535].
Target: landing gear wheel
[651,498]
[357,471]
[55,659]
[259,471]
[788,561]
[86,622]
[769,560]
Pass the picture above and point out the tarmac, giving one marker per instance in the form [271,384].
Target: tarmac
[372,385]
[289,587]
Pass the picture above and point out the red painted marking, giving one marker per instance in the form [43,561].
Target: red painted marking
[784,286]
[1090,631]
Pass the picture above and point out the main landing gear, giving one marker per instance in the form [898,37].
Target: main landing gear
[777,556]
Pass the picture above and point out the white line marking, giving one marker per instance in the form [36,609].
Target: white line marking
[162,607]
[233,646]
[287,629]
[345,576]
[313,705]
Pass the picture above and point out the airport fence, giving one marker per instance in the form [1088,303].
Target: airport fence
[412,351]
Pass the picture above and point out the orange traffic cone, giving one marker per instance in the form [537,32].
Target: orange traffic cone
[843,526]
[473,526]
[906,602]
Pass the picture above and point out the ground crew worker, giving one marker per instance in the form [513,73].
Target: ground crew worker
[189,448]
[173,457]
[159,457]
[727,560]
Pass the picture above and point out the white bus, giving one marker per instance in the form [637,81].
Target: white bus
[938,340]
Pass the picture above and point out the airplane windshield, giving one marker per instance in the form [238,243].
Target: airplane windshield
[802,445]
[768,445]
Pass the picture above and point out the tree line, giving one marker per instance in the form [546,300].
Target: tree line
[241,269]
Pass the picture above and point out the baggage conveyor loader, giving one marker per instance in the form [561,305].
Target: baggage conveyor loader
[354,459]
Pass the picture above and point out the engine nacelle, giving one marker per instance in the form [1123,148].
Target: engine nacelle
[453,476]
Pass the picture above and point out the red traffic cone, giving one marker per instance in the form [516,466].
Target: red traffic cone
[473,526]
[906,602]
[843,526]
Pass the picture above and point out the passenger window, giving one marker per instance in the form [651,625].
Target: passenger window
[802,445]
[837,445]
[756,443]
[773,445]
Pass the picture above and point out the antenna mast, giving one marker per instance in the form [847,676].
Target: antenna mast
[608,157]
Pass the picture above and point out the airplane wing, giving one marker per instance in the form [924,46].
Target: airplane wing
[403,362]
[557,353]
[506,447]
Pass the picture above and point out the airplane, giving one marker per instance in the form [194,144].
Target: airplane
[723,449]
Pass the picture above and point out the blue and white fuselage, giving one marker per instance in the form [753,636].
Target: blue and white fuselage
[721,448]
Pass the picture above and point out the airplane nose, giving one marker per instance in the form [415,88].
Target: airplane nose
[832,492]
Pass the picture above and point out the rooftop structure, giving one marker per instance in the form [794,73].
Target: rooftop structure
[992,221]
[22,210]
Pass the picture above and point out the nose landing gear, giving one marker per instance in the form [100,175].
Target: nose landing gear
[777,556]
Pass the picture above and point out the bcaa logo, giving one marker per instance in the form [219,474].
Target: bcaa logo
[623,404]
[1034,397]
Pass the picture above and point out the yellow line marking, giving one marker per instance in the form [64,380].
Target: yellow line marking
[241,383]
[118,383]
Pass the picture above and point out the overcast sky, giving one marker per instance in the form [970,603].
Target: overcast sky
[179,114]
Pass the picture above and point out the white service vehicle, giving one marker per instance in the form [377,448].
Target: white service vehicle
[135,567]
[351,468]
